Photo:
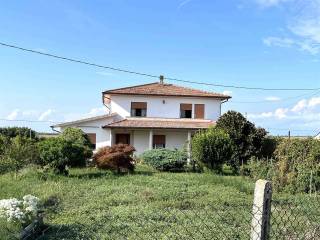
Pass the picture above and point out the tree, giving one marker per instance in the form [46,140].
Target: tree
[19,152]
[79,140]
[212,148]
[12,132]
[246,138]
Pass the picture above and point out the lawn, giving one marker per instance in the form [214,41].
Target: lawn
[96,204]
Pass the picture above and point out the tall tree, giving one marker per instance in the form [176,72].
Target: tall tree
[246,138]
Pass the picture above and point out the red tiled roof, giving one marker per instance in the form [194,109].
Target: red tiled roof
[159,123]
[158,89]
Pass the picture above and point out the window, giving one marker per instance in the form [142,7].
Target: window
[199,111]
[123,138]
[138,109]
[185,110]
[159,141]
[93,139]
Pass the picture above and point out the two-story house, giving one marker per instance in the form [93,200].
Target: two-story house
[155,115]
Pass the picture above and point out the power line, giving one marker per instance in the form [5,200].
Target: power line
[243,87]
[26,120]
[77,61]
[280,100]
[151,75]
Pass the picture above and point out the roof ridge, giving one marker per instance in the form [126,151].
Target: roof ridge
[194,89]
[85,119]
[122,88]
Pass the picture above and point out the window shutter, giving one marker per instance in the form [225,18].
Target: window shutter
[199,111]
[140,105]
[159,139]
[92,137]
[185,106]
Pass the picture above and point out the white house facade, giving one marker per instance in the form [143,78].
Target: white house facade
[155,115]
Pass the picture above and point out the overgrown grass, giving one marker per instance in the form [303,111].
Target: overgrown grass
[95,204]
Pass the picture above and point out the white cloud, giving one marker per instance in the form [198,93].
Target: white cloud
[227,92]
[313,102]
[97,111]
[270,3]
[45,114]
[305,45]
[304,109]
[272,99]
[13,115]
[281,113]
[183,3]
[105,73]
[301,105]
[279,42]
[303,25]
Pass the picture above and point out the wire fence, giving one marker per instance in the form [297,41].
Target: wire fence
[291,218]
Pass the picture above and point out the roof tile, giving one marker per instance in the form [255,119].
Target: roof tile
[159,89]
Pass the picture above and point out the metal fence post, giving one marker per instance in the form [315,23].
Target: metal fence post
[261,210]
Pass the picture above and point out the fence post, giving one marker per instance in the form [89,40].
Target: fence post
[261,210]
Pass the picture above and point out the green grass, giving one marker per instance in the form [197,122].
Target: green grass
[95,204]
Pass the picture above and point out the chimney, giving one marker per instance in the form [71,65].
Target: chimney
[161,79]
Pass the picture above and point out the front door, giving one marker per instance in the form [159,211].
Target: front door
[123,138]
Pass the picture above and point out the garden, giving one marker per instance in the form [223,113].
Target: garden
[114,194]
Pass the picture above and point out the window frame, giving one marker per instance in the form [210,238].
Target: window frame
[184,107]
[143,109]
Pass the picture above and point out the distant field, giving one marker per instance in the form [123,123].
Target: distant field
[94,204]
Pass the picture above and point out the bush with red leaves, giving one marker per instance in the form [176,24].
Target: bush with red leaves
[117,158]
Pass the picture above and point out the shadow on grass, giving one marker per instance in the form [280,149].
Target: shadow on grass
[71,231]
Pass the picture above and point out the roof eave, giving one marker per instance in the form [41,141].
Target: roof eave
[168,95]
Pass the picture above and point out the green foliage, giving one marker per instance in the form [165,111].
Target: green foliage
[298,165]
[12,132]
[165,159]
[246,138]
[76,136]
[260,168]
[17,153]
[117,158]
[79,140]
[212,148]
[54,152]
[70,149]
[295,167]
[59,153]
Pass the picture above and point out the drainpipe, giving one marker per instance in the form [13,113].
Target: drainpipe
[106,104]
[52,127]
[222,102]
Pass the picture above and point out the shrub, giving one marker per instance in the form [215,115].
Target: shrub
[295,167]
[20,211]
[165,159]
[298,165]
[212,148]
[59,153]
[246,138]
[18,152]
[260,168]
[12,132]
[116,158]
[80,141]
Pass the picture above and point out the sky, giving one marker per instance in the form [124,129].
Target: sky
[253,43]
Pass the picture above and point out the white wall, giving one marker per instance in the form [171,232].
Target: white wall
[170,109]
[140,141]
[103,136]
[174,139]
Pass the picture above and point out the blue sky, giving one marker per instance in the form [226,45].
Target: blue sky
[256,43]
